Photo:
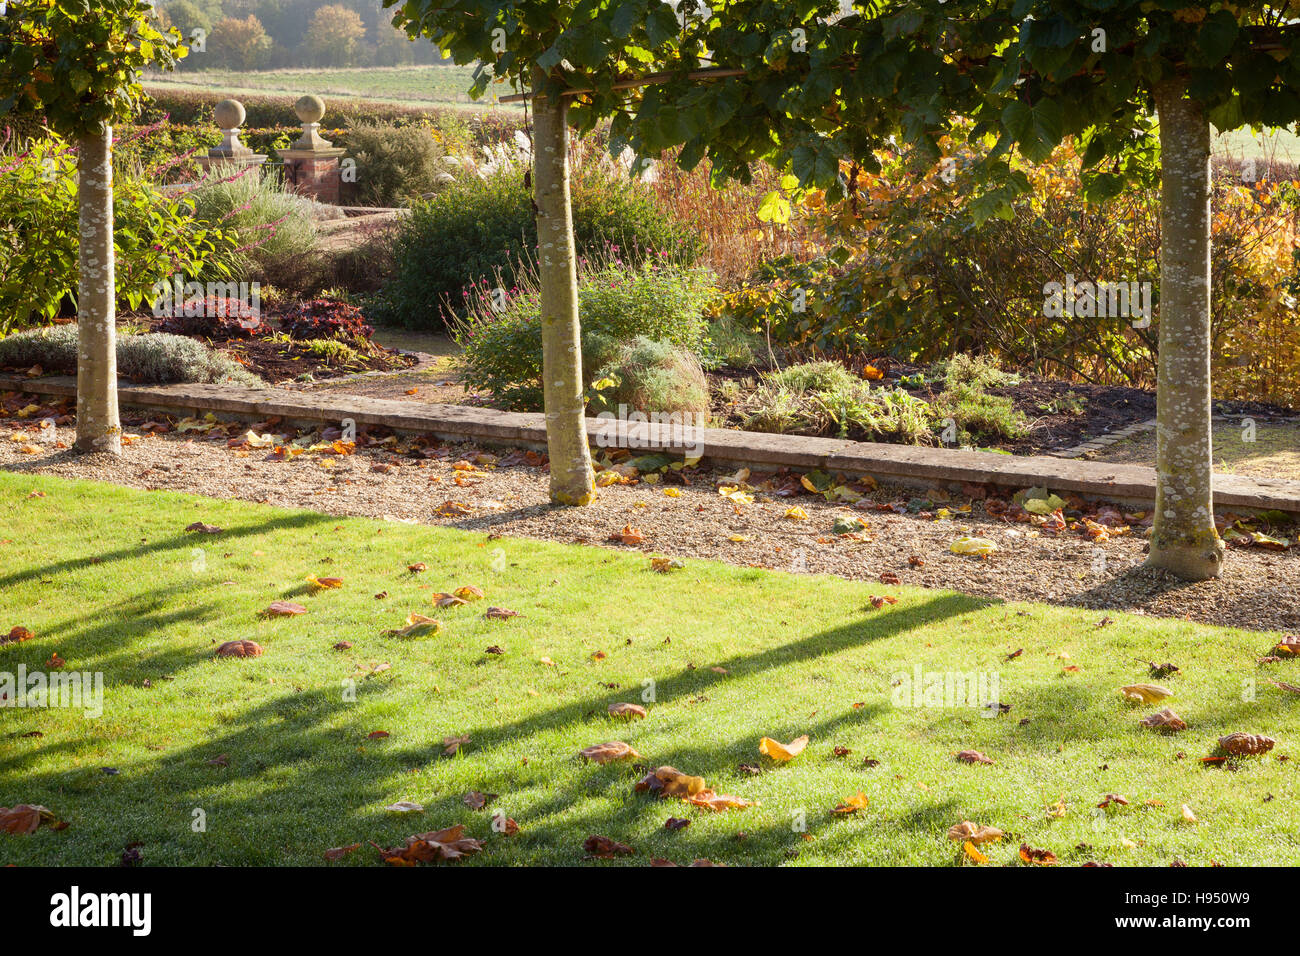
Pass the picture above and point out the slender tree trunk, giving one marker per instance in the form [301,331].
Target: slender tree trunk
[98,427]
[566,433]
[1184,540]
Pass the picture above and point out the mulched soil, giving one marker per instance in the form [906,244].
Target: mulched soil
[505,494]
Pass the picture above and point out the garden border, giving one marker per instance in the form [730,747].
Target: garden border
[899,464]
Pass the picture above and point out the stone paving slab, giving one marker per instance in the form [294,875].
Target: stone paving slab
[905,464]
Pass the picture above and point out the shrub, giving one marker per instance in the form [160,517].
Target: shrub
[979,415]
[979,371]
[218,318]
[652,376]
[395,164]
[275,227]
[824,398]
[155,358]
[154,236]
[727,344]
[475,229]
[616,303]
[326,319]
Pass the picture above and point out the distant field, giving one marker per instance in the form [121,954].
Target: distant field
[412,85]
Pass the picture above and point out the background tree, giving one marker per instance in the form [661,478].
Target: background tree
[78,64]
[239,43]
[334,35]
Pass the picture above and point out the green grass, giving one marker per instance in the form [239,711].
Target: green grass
[106,577]
[414,85]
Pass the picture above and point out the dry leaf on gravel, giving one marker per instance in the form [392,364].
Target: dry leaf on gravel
[630,711]
[629,535]
[448,844]
[239,649]
[1165,720]
[974,832]
[608,752]
[670,782]
[603,848]
[782,752]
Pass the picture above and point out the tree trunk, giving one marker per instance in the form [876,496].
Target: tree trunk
[566,432]
[98,427]
[1184,540]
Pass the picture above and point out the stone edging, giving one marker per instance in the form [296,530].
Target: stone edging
[898,464]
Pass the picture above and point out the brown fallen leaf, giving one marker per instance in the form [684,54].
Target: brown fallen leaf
[469,593]
[417,567]
[202,528]
[448,844]
[629,535]
[324,584]
[285,609]
[603,848]
[442,599]
[974,832]
[477,800]
[670,782]
[16,635]
[1240,744]
[1292,688]
[452,745]
[377,735]
[630,711]
[1112,799]
[25,818]
[973,756]
[499,613]
[343,646]
[676,823]
[1165,720]
[782,752]
[1289,645]
[879,601]
[239,649]
[889,577]
[608,752]
[339,852]
[1036,856]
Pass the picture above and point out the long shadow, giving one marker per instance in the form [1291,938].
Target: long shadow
[178,542]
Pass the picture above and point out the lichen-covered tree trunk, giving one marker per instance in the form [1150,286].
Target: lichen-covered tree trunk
[566,434]
[98,427]
[1184,540]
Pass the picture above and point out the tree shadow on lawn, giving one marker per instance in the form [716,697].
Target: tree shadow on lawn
[295,787]
[183,541]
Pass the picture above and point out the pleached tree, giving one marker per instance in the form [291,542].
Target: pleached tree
[77,64]
[819,88]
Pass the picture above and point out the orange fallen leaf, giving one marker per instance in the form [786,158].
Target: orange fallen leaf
[285,609]
[448,844]
[853,804]
[339,852]
[629,711]
[782,752]
[608,752]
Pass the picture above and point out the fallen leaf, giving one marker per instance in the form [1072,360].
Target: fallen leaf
[1240,744]
[477,800]
[442,599]
[452,745]
[285,609]
[16,635]
[25,818]
[629,711]
[239,649]
[973,756]
[1147,693]
[339,852]
[1165,720]
[676,823]
[404,806]
[1187,814]
[324,584]
[499,613]
[377,735]
[1038,857]
[670,782]
[417,625]
[978,547]
[974,832]
[608,752]
[975,855]
[469,593]
[199,526]
[603,848]
[448,844]
[853,804]
[717,802]
[1112,799]
[782,752]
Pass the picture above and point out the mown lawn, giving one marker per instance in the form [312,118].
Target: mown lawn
[107,578]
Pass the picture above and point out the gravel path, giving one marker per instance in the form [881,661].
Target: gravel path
[1260,589]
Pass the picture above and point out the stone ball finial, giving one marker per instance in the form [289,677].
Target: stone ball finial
[310,108]
[229,114]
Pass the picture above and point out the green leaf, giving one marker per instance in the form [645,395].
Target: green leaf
[1217,35]
[1037,128]
[79,80]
